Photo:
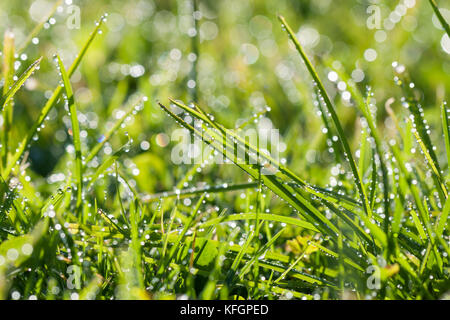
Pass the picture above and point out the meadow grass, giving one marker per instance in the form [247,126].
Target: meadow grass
[382,234]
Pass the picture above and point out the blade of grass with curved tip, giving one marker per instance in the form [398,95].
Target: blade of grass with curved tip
[440,17]
[50,102]
[334,117]
[75,131]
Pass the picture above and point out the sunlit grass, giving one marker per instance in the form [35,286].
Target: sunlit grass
[377,228]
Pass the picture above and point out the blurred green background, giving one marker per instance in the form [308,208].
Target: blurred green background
[235,61]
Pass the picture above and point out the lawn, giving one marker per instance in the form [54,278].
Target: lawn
[248,150]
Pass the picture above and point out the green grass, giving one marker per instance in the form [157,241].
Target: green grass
[124,222]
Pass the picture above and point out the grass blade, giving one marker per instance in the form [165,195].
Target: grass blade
[445,115]
[215,139]
[433,166]
[7,110]
[180,193]
[75,131]
[108,162]
[134,106]
[334,117]
[283,275]
[440,17]
[442,220]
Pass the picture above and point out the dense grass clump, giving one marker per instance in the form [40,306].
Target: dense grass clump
[92,205]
